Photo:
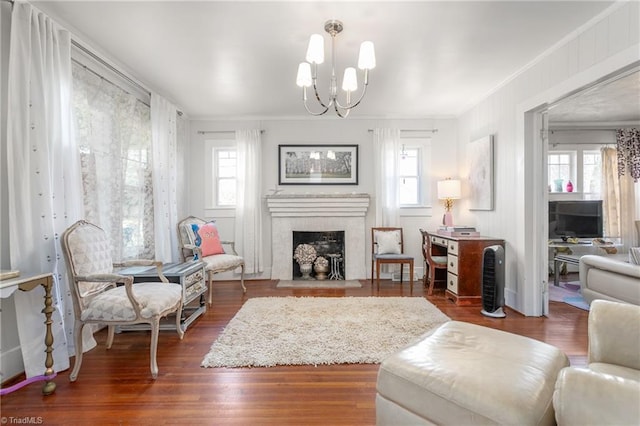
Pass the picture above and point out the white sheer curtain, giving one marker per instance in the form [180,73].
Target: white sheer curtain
[165,209]
[619,201]
[386,143]
[248,229]
[44,177]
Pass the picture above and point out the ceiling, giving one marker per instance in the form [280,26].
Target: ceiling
[224,59]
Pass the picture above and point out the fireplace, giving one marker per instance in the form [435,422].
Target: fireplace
[318,213]
[328,244]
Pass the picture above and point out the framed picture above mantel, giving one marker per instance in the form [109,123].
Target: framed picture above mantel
[318,164]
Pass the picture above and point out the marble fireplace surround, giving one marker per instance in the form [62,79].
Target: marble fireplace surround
[318,213]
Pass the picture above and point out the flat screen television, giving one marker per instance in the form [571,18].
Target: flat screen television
[575,219]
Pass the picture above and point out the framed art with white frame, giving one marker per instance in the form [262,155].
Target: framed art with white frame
[318,164]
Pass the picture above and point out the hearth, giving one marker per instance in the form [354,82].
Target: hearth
[328,244]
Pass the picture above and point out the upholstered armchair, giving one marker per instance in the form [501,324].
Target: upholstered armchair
[607,391]
[101,296]
[199,239]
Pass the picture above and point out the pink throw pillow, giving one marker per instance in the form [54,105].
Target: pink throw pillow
[210,240]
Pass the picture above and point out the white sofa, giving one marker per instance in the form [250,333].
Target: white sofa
[609,278]
[607,391]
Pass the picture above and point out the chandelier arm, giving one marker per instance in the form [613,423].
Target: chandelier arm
[306,106]
[351,106]
[346,111]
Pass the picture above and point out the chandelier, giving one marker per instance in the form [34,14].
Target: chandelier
[315,56]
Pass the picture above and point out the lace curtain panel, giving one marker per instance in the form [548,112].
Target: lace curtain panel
[619,201]
[628,150]
[113,133]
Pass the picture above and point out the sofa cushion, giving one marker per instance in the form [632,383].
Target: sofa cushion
[469,374]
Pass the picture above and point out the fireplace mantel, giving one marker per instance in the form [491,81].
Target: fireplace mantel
[331,205]
[318,213]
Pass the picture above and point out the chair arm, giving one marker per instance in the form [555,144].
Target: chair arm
[231,244]
[586,397]
[144,262]
[195,250]
[614,334]
[106,278]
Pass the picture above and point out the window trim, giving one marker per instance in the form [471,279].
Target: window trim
[211,175]
[424,147]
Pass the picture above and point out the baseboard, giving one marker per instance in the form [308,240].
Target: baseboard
[11,364]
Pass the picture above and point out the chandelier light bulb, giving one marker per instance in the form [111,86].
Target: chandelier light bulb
[304,75]
[315,52]
[367,57]
[350,80]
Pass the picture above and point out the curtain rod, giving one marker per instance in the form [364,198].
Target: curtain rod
[111,68]
[575,129]
[412,130]
[204,132]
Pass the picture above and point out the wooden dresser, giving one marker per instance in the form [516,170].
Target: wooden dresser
[464,265]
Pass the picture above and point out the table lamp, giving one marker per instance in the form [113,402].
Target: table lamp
[448,190]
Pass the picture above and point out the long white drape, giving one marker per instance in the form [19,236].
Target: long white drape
[386,144]
[248,228]
[165,209]
[619,201]
[44,176]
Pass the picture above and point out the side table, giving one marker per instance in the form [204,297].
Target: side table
[28,283]
[190,275]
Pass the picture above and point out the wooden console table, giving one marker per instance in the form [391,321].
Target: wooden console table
[464,265]
[28,283]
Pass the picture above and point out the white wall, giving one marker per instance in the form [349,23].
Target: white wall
[606,44]
[327,131]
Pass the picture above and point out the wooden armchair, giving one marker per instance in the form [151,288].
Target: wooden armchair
[223,259]
[387,247]
[432,262]
[98,299]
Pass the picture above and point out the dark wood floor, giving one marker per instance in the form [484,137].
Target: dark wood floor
[114,386]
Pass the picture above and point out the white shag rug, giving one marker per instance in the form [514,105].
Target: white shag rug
[318,284]
[270,331]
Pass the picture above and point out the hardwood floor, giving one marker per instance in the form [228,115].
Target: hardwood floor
[114,386]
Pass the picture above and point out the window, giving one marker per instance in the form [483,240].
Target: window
[113,132]
[592,173]
[561,167]
[413,180]
[409,177]
[225,168]
[581,167]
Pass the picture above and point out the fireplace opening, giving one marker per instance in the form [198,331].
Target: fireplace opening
[327,244]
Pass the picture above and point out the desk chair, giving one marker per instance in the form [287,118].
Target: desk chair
[431,262]
[387,247]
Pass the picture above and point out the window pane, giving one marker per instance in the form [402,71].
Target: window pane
[592,172]
[227,192]
[408,191]
[408,164]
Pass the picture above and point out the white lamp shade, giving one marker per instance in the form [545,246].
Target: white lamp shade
[350,80]
[315,52]
[367,58]
[449,188]
[304,75]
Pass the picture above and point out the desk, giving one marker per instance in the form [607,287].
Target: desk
[27,283]
[464,265]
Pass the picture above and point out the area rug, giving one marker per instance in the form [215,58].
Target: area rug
[569,293]
[270,331]
[318,284]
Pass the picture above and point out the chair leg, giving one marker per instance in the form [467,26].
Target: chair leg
[210,280]
[432,278]
[411,275]
[372,262]
[244,289]
[155,328]
[78,361]
[110,333]
[378,274]
[178,318]
[401,273]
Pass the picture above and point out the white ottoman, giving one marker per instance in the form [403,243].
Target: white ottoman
[464,374]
